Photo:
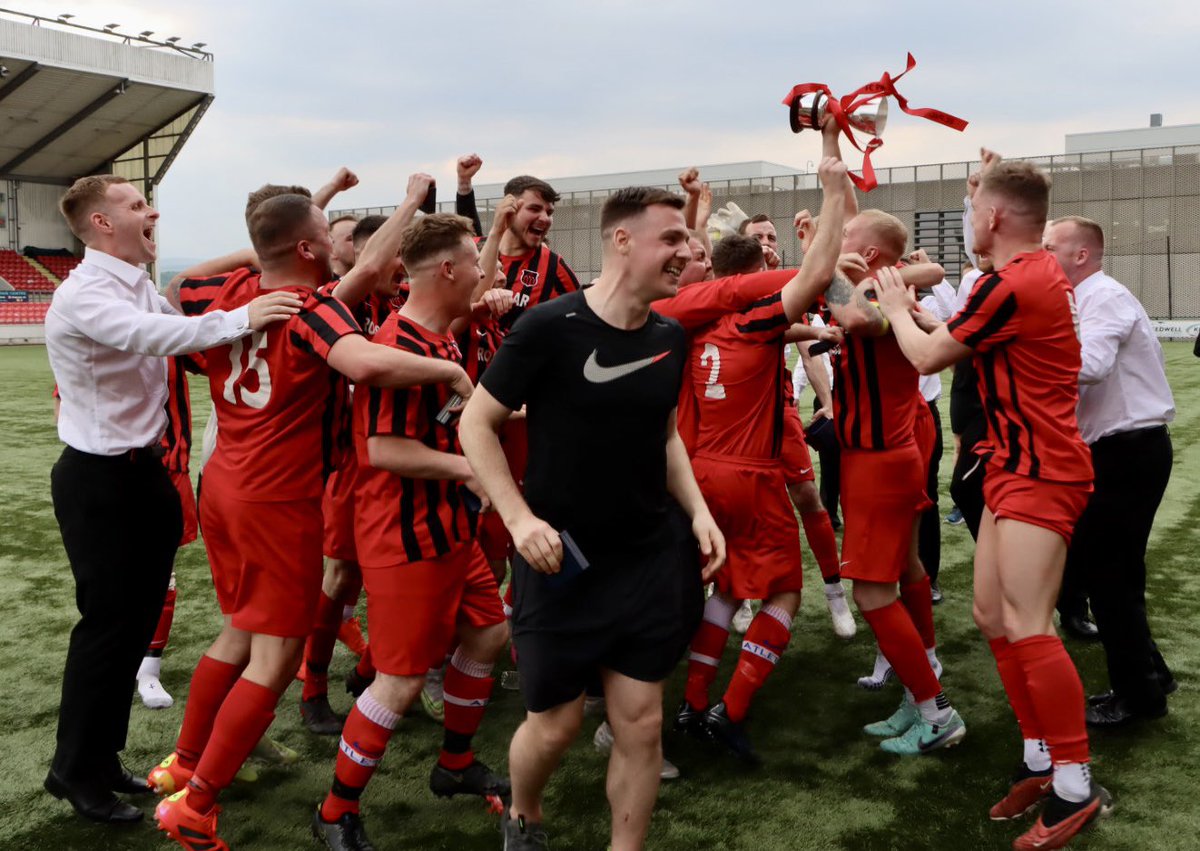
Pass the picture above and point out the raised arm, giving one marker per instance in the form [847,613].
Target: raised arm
[820,262]
[343,180]
[831,136]
[379,254]
[467,167]
[490,255]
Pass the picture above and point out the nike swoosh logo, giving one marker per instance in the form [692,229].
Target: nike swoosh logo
[598,374]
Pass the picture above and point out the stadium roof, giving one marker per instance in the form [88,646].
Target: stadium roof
[73,99]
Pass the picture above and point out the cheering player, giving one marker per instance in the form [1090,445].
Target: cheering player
[1019,323]
[532,271]
[876,404]
[261,501]
[426,578]
[737,377]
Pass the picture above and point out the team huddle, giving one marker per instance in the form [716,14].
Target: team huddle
[424,410]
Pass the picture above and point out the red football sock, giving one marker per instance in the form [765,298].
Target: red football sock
[1056,695]
[162,632]
[244,717]
[364,739]
[1012,677]
[365,666]
[918,599]
[901,645]
[318,649]
[211,682]
[765,641]
[467,687]
[707,646]
[821,540]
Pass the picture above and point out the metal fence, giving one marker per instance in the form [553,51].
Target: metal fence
[1147,201]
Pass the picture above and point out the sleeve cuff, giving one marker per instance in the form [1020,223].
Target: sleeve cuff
[241,317]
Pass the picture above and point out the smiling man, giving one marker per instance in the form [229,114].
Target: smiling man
[602,368]
[107,333]
[532,271]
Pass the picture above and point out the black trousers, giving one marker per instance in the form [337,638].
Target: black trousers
[929,532]
[1108,550]
[966,483]
[831,477]
[121,522]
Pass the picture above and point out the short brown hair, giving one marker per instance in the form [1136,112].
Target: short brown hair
[891,235]
[431,235]
[278,223]
[1023,185]
[272,190]
[524,182]
[737,254]
[753,220]
[1091,232]
[345,217]
[632,201]
[365,229]
[82,199]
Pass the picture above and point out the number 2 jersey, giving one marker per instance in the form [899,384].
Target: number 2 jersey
[273,392]
[736,369]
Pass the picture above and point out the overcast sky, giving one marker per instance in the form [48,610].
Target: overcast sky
[566,87]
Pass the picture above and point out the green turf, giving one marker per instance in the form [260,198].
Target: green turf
[824,785]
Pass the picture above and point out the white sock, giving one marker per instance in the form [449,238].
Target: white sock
[151,667]
[834,590]
[347,613]
[882,665]
[931,655]
[1037,757]
[1073,781]
[936,710]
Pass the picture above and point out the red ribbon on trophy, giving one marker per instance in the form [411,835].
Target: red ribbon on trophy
[849,114]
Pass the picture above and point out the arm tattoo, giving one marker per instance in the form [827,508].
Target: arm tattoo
[840,290]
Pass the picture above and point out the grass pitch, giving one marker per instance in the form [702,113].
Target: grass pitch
[824,785]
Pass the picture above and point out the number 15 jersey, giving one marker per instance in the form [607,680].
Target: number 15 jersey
[273,392]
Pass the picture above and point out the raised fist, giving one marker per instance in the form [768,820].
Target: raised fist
[344,179]
[468,166]
[689,179]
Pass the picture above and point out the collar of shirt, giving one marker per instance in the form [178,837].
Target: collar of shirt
[1087,283]
[126,273]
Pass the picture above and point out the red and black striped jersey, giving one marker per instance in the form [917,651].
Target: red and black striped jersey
[535,277]
[1022,323]
[874,393]
[736,369]
[177,439]
[398,519]
[479,342]
[273,391]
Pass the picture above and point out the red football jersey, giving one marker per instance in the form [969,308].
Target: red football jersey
[273,392]
[535,277]
[874,393]
[1022,324]
[397,519]
[704,302]
[736,367]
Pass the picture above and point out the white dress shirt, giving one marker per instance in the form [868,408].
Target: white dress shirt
[800,376]
[939,304]
[1123,382]
[107,333]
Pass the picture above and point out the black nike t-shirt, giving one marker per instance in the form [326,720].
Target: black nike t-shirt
[598,401]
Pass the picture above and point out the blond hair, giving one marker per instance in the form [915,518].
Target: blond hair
[82,199]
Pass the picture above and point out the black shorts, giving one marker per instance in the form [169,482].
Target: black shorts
[635,616]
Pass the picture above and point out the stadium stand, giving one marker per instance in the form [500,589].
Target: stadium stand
[78,100]
[29,313]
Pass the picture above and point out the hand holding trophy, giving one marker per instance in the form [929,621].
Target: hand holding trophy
[865,109]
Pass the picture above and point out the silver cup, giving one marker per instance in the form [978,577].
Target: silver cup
[808,111]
